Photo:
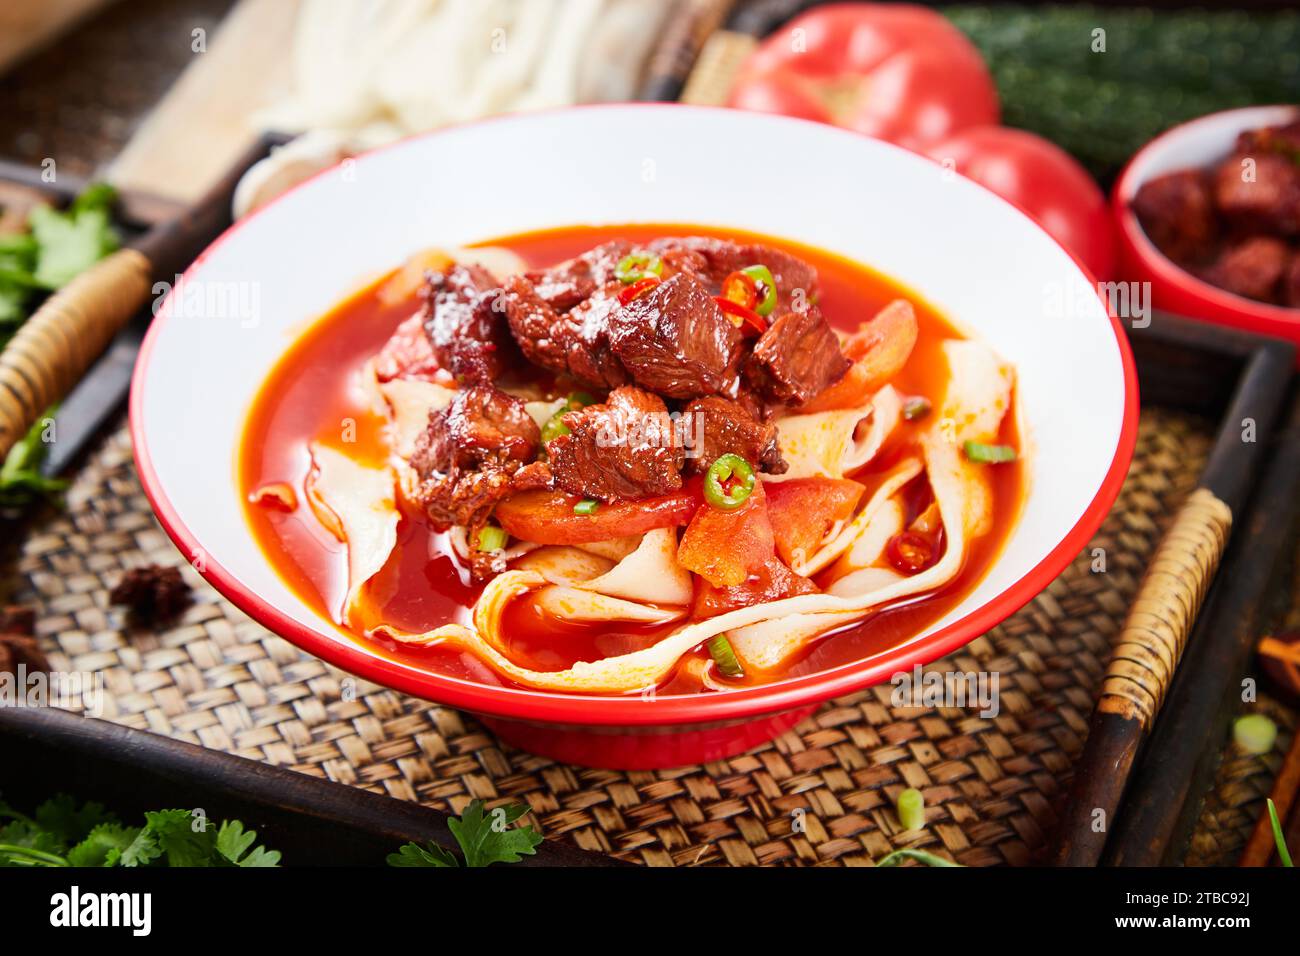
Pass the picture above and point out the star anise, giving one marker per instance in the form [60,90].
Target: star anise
[152,594]
[18,641]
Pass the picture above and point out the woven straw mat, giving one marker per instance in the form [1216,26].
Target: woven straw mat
[218,679]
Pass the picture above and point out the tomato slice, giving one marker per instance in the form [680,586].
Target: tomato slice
[547,517]
[726,547]
[879,350]
[803,511]
[771,582]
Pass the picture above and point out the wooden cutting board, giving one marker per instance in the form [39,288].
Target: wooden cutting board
[204,122]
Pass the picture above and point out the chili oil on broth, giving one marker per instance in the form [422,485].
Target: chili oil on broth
[313,394]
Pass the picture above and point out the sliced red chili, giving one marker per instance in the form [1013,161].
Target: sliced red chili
[741,289]
[910,552]
[741,316]
[636,288]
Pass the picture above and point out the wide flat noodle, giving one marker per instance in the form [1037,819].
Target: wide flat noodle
[356,504]
[835,443]
[650,574]
[904,472]
[409,402]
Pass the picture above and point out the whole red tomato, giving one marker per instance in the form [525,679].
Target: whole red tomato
[894,71]
[1043,180]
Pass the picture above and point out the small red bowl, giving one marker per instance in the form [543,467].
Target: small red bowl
[1197,144]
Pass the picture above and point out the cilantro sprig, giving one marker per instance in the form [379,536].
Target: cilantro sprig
[21,480]
[485,837]
[62,833]
[60,245]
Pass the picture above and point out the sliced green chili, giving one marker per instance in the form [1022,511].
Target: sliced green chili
[989,454]
[554,427]
[763,276]
[728,466]
[587,506]
[1254,733]
[491,538]
[911,809]
[636,266]
[915,408]
[724,656]
[577,400]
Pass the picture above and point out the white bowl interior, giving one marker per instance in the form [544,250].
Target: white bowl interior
[969,253]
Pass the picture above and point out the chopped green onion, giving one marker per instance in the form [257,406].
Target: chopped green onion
[989,454]
[491,538]
[554,427]
[920,856]
[1283,854]
[763,276]
[724,468]
[587,506]
[1254,733]
[911,809]
[724,656]
[915,408]
[637,266]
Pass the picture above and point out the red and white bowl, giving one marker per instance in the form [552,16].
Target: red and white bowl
[986,265]
[1198,144]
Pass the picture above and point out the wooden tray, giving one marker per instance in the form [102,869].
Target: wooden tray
[995,785]
[132,771]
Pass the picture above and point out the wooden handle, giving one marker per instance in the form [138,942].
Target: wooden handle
[55,346]
[1143,663]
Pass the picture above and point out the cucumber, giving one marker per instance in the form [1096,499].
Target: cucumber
[1159,68]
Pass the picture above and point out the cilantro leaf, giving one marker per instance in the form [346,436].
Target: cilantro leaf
[920,856]
[413,854]
[70,242]
[487,838]
[23,843]
[21,480]
[233,842]
[66,822]
[103,846]
[181,842]
[142,850]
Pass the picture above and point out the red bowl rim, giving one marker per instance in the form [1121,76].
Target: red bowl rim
[1219,304]
[627,711]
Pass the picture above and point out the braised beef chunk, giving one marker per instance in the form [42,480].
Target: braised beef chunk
[543,334]
[796,359]
[563,286]
[718,426]
[470,337]
[625,448]
[469,454]
[674,340]
[1283,140]
[574,343]
[590,357]
[1177,213]
[712,260]
[1259,193]
[1252,267]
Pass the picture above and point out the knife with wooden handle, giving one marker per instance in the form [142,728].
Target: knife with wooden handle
[55,347]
